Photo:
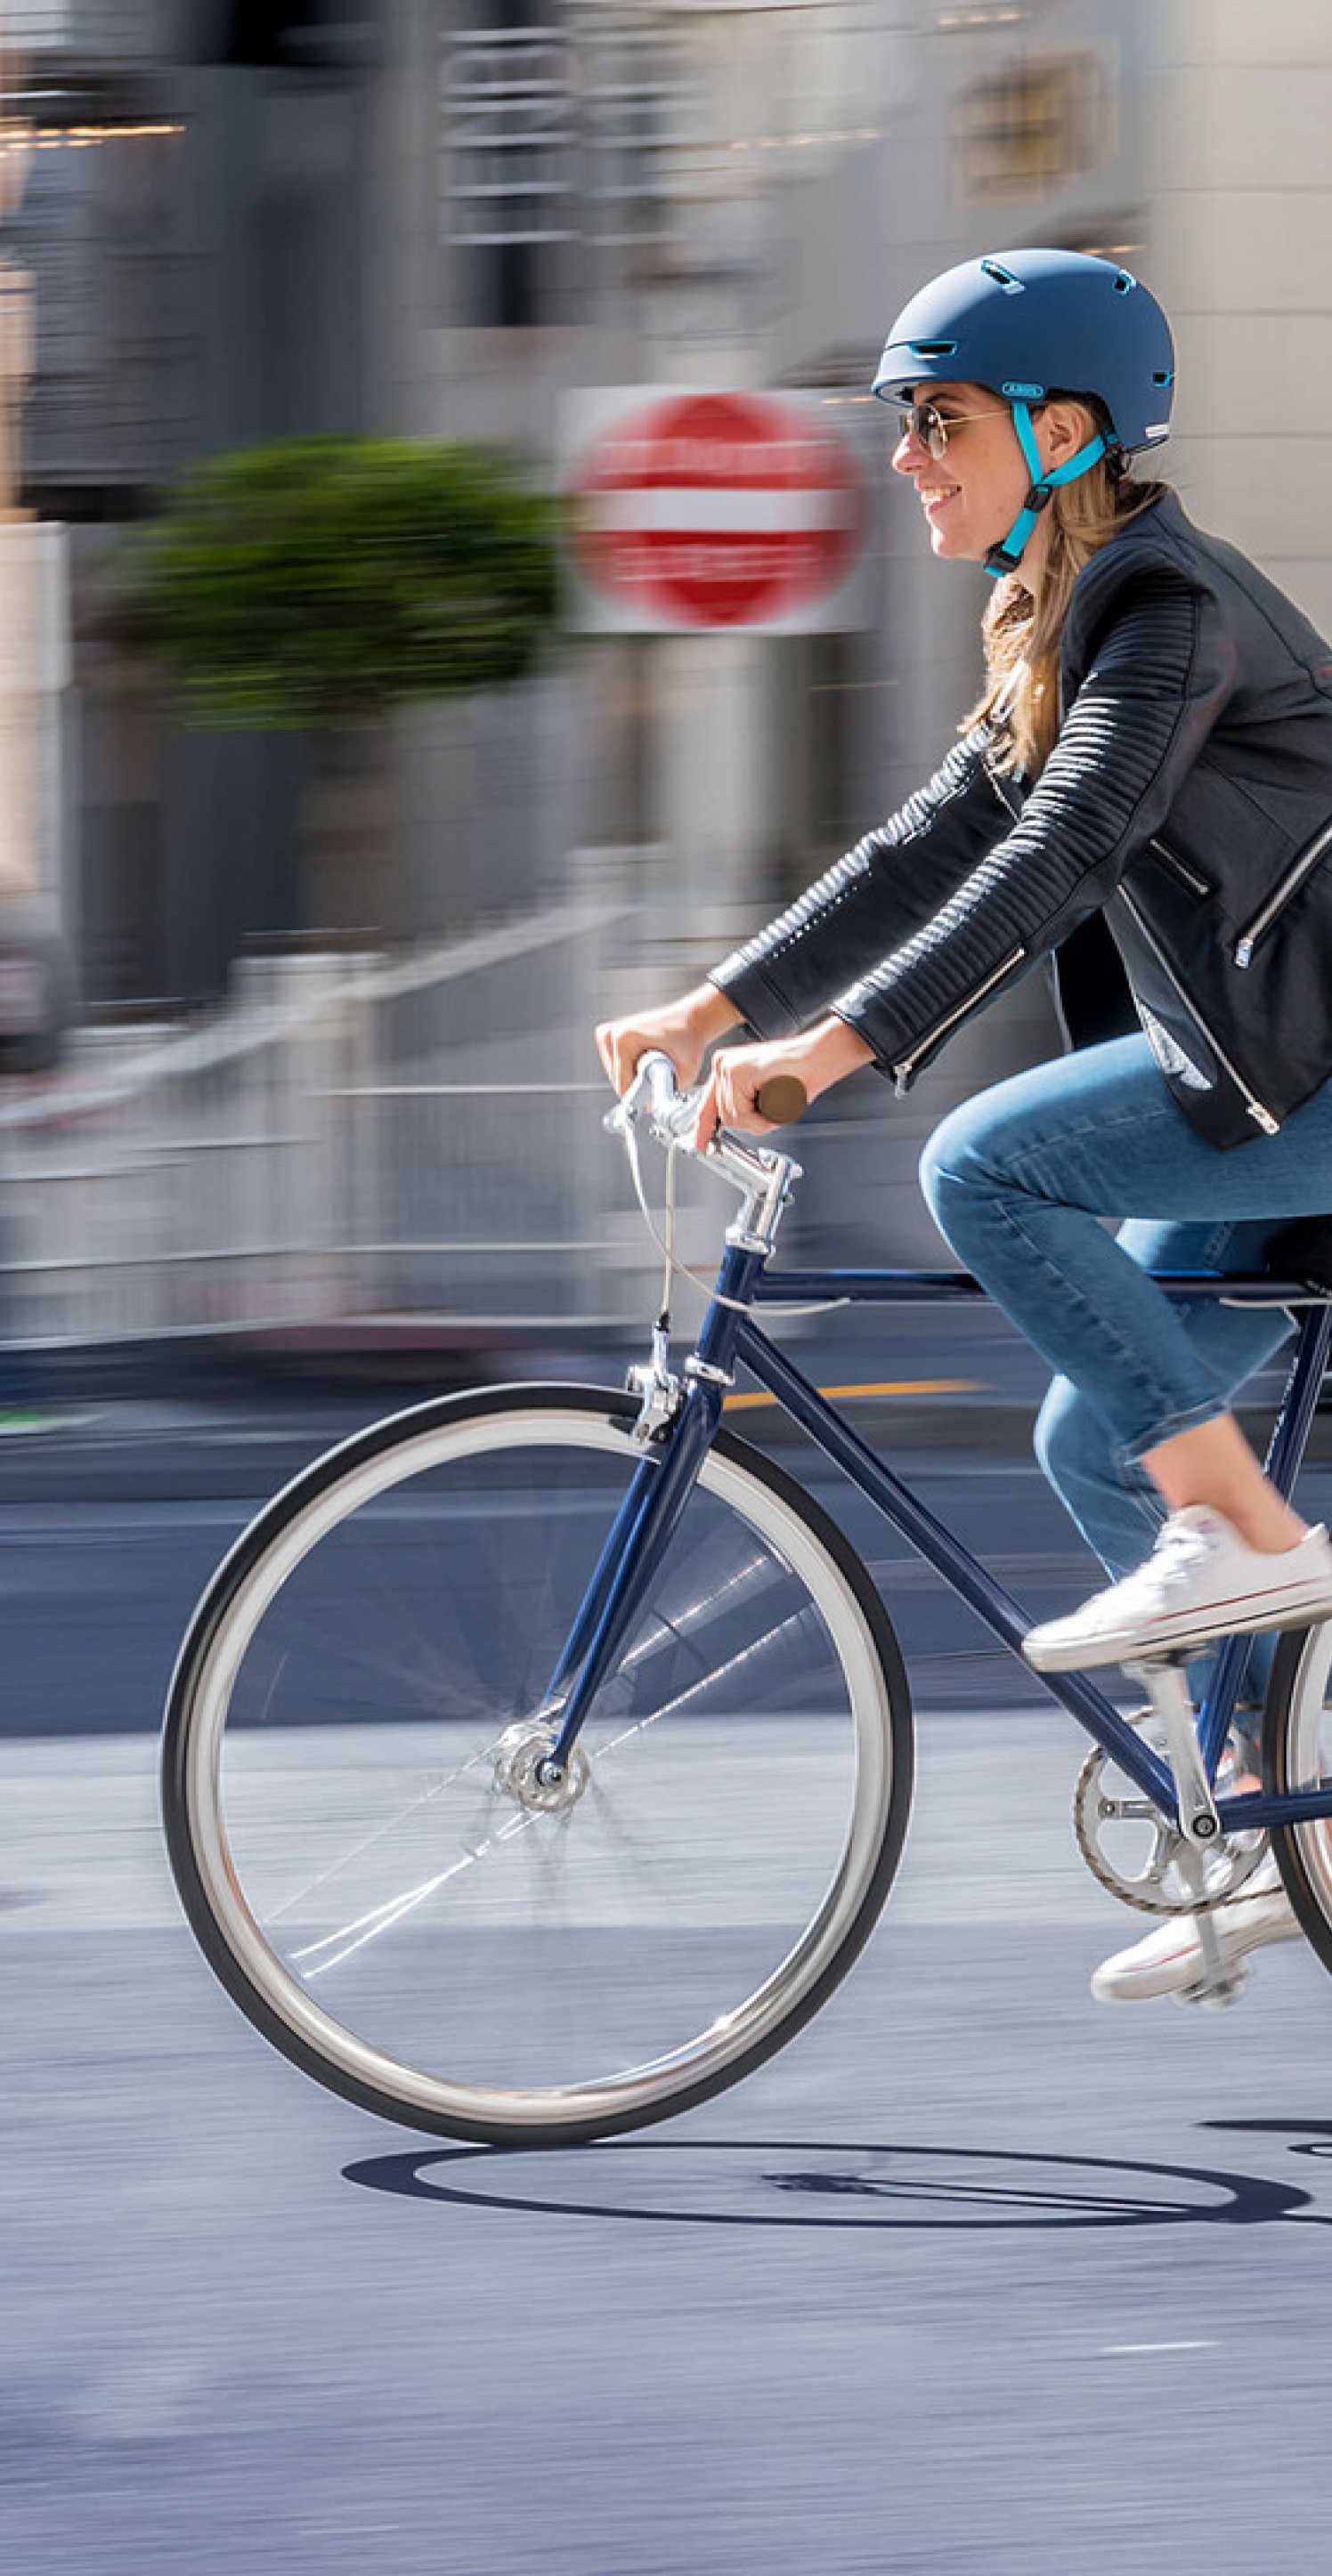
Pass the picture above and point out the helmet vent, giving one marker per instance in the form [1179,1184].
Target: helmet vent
[1002,277]
[1124,284]
[933,348]
[1163,375]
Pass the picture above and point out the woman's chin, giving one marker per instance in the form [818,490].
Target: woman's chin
[950,546]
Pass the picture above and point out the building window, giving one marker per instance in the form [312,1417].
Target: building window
[1037,125]
[508,170]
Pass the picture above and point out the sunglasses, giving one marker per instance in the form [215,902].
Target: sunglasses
[931,427]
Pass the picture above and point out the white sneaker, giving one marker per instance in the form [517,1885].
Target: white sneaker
[1202,1580]
[1170,1960]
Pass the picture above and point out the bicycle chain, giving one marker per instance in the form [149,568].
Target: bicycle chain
[1118,1887]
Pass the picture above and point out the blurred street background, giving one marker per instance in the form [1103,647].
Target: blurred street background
[340,911]
[451,589]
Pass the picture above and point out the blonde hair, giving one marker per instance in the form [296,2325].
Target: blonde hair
[1021,633]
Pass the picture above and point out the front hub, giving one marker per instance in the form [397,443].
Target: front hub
[525,1773]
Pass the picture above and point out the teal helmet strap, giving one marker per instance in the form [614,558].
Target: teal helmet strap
[1007,554]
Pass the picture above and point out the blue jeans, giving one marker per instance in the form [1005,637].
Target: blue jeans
[1018,1179]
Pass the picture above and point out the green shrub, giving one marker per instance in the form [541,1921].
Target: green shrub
[320,581]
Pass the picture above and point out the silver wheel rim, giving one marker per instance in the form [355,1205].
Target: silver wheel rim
[1304,1754]
[636,2090]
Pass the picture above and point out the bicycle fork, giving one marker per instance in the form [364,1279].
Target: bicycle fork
[650,1514]
[639,1537]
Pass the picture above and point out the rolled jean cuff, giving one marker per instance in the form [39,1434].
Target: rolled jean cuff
[1132,1452]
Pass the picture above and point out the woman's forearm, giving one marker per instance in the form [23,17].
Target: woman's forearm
[712,1011]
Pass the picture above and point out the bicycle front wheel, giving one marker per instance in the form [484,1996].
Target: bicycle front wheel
[350,1774]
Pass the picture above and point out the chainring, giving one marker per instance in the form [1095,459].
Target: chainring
[1227,1866]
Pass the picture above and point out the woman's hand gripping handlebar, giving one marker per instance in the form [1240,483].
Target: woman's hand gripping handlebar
[750,1087]
[671,1115]
[675,1112]
[781,1100]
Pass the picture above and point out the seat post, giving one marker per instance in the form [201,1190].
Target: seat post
[1285,1456]
[1290,1433]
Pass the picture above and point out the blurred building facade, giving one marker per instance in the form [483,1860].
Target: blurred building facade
[193,225]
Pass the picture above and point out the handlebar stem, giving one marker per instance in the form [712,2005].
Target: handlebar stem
[763,1178]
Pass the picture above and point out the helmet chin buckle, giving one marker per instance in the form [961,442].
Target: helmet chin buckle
[999,558]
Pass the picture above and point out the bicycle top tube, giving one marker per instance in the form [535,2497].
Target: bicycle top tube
[892,1287]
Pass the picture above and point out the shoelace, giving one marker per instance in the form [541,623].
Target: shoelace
[1178,1550]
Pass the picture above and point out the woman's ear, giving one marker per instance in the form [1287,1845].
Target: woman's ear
[1067,428]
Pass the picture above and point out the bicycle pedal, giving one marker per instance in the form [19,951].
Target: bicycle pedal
[1215,1994]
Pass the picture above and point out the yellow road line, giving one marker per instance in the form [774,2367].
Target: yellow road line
[881,1386]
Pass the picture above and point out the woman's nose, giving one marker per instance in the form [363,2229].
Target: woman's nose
[910,453]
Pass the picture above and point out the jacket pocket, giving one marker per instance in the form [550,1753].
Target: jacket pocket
[1282,893]
[1182,870]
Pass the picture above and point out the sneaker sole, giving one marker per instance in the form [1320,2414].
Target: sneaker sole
[1166,1976]
[1175,1975]
[1169,1640]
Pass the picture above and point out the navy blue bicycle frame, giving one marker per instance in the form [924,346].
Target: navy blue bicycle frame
[665,1479]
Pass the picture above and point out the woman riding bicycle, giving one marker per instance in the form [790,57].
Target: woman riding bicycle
[1153,742]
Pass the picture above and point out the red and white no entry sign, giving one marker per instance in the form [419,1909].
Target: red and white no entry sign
[715,510]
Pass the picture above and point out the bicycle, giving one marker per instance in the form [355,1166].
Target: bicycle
[538,1762]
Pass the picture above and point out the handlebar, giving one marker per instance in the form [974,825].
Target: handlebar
[782,1100]
[656,1086]
[750,1166]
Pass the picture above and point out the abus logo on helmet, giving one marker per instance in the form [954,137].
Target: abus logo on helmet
[1022,391]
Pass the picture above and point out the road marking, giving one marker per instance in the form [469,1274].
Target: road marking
[881,1386]
[1195,2343]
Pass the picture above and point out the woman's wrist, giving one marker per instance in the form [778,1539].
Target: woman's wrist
[710,1012]
[833,1050]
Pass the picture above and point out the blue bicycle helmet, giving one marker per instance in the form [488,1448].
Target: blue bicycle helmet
[1024,322]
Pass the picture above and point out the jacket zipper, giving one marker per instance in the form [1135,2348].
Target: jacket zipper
[902,1072]
[1262,1116]
[1180,867]
[1276,901]
[1014,812]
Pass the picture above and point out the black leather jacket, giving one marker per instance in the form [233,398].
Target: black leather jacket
[1188,797]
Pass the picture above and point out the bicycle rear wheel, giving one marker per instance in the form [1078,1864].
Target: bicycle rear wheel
[1297,1754]
[349,1774]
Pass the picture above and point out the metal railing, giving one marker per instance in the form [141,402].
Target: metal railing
[371,1138]
[352,1136]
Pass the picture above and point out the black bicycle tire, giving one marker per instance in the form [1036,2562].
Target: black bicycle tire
[1313,1922]
[316,1479]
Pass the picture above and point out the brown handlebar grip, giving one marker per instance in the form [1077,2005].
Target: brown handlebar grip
[783,1100]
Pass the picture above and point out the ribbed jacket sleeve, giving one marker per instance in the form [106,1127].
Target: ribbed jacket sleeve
[888,886]
[1162,668]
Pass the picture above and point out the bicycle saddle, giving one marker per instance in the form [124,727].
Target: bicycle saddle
[1303,1250]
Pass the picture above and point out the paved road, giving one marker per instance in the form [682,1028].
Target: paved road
[973,2278]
